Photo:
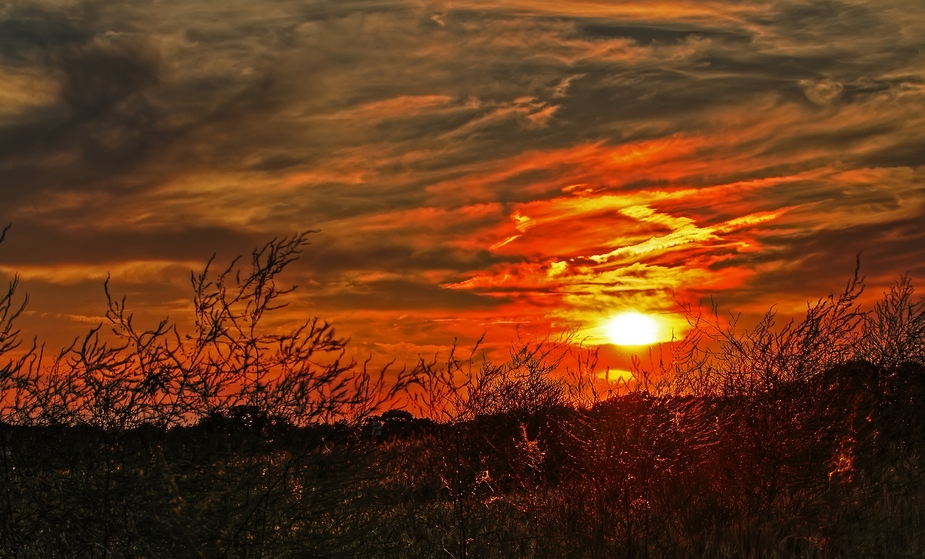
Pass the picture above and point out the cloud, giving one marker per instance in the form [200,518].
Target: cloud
[139,272]
[525,160]
[102,74]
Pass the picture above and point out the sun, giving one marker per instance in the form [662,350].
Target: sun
[632,328]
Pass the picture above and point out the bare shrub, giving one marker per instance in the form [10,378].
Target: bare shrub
[235,440]
[529,381]
[131,433]
[894,332]
[721,357]
[160,376]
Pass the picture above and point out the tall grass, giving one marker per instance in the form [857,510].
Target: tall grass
[801,439]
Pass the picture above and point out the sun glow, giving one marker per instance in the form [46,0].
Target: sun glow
[632,328]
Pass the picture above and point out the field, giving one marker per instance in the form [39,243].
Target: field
[800,440]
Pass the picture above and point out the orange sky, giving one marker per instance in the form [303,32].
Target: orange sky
[471,166]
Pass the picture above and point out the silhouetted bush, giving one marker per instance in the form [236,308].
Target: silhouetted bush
[798,440]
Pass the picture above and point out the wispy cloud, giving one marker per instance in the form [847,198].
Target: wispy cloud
[524,161]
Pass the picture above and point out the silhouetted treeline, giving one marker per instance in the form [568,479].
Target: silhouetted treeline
[798,440]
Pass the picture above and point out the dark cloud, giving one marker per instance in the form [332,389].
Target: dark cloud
[646,35]
[102,125]
[403,295]
[278,163]
[814,265]
[824,20]
[330,260]
[32,243]
[910,153]
[99,76]
[432,146]
[30,35]
[326,11]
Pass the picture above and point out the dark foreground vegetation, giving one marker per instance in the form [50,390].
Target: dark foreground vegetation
[800,440]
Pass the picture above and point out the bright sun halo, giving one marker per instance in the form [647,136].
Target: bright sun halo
[632,328]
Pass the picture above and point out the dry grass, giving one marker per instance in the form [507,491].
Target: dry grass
[800,440]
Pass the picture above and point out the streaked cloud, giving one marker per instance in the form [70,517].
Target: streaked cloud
[470,165]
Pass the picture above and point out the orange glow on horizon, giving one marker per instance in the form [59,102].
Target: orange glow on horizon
[470,167]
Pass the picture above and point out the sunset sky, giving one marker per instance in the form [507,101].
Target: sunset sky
[470,166]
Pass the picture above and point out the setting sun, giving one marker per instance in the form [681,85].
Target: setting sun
[632,328]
